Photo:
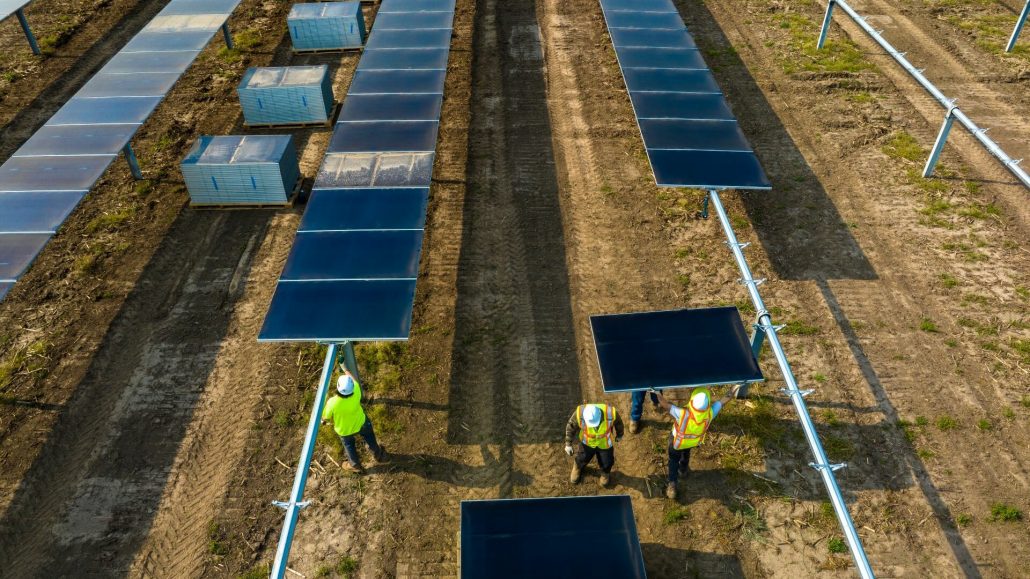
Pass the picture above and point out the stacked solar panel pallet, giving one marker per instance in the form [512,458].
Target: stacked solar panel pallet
[234,170]
[321,26]
[351,272]
[46,178]
[286,95]
[692,138]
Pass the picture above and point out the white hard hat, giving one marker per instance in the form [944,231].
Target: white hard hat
[699,401]
[592,415]
[345,385]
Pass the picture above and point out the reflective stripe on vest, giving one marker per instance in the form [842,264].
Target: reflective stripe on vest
[690,429]
[599,438]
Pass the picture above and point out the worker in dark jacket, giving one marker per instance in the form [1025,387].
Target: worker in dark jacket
[598,427]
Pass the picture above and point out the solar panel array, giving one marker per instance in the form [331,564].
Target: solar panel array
[46,178]
[8,7]
[692,138]
[351,273]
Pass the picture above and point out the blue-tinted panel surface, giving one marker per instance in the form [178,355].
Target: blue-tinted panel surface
[650,20]
[52,173]
[707,169]
[651,38]
[661,58]
[36,211]
[436,38]
[8,7]
[176,62]
[682,134]
[412,20]
[397,107]
[341,209]
[17,250]
[78,140]
[638,5]
[4,288]
[354,255]
[387,136]
[199,7]
[129,85]
[416,6]
[680,105]
[672,349]
[348,170]
[403,59]
[503,539]
[168,41]
[666,80]
[334,311]
[104,111]
[397,82]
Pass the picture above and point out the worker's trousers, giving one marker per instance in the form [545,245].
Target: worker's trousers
[369,434]
[636,408]
[605,457]
[679,462]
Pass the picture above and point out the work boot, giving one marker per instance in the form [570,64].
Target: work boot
[634,426]
[670,491]
[684,471]
[354,468]
[381,456]
[604,480]
[576,474]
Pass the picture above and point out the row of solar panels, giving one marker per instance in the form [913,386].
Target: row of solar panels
[8,7]
[352,270]
[49,175]
[692,138]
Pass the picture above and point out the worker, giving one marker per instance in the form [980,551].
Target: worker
[689,427]
[599,427]
[348,419]
[636,409]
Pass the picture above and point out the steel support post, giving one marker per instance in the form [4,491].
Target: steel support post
[703,214]
[228,36]
[1019,27]
[822,464]
[130,156]
[826,24]
[757,340]
[28,31]
[938,145]
[295,504]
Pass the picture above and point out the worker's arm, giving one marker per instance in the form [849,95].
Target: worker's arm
[666,405]
[571,429]
[730,395]
[619,429]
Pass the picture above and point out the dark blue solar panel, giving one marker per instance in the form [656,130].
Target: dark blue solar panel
[386,136]
[344,209]
[334,311]
[387,6]
[4,288]
[518,538]
[403,59]
[176,62]
[397,82]
[168,41]
[651,38]
[199,7]
[104,111]
[52,173]
[668,80]
[364,255]
[412,20]
[129,85]
[661,58]
[680,105]
[435,38]
[650,20]
[362,170]
[398,107]
[671,349]
[707,169]
[638,5]
[36,211]
[78,140]
[693,134]
[17,250]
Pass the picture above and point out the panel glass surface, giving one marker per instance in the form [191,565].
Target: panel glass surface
[412,20]
[362,255]
[362,170]
[209,23]
[707,169]
[403,59]
[388,6]
[385,136]
[638,5]
[649,20]
[651,38]
[168,41]
[176,62]
[18,250]
[78,140]
[199,7]
[693,134]
[107,111]
[408,107]
[670,349]
[52,173]
[5,286]
[669,80]
[680,105]
[334,311]
[129,85]
[436,38]
[397,82]
[8,7]
[689,58]
[36,211]
[343,209]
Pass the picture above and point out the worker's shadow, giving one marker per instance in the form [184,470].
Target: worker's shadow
[494,469]
[664,561]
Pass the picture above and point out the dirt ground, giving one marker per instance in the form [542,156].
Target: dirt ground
[145,432]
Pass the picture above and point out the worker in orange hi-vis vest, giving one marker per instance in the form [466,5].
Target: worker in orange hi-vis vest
[689,426]
[599,427]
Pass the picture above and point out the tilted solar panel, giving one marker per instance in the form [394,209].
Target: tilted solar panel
[372,209]
[399,107]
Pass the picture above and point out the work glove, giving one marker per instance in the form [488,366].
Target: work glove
[568,449]
[618,439]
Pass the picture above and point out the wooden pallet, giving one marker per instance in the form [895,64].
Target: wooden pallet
[290,126]
[291,199]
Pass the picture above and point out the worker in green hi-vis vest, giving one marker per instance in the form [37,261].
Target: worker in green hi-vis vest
[344,411]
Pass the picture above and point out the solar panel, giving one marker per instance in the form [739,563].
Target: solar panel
[104,111]
[363,170]
[358,209]
[631,37]
[397,81]
[77,140]
[680,105]
[176,62]
[5,286]
[693,134]
[689,58]
[422,38]
[52,173]
[387,136]
[199,7]
[707,169]
[412,20]
[673,349]
[152,41]
[358,255]
[648,20]
[638,5]
[670,80]
[388,6]
[8,7]
[36,211]
[398,107]
[17,250]
[403,58]
[520,538]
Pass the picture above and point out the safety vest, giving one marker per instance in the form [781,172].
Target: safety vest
[603,436]
[346,413]
[690,429]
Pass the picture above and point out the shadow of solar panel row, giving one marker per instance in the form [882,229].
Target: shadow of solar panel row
[351,272]
[49,175]
[691,136]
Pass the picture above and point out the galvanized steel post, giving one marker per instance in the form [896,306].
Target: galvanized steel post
[938,145]
[1019,27]
[228,36]
[822,463]
[28,31]
[130,156]
[826,24]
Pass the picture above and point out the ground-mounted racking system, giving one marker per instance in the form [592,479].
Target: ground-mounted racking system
[1023,15]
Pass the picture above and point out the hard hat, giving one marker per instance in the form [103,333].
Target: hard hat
[592,415]
[345,385]
[699,401]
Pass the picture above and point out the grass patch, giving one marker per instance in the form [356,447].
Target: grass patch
[922,421]
[382,418]
[749,521]
[928,325]
[947,280]
[283,418]
[902,145]
[684,280]
[674,515]
[838,449]
[819,377]
[798,328]
[803,56]
[984,425]
[110,221]
[259,571]
[1009,413]
[1025,402]
[980,211]
[831,418]
[946,423]
[837,545]
[216,540]
[925,453]
[1000,512]
[963,520]
[907,430]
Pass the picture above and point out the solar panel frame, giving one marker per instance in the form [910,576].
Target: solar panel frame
[397,107]
[18,251]
[384,136]
[134,62]
[707,169]
[638,5]
[693,134]
[417,38]
[413,20]
[680,105]
[8,7]
[644,20]
[152,41]
[377,209]
[656,38]
[395,82]
[52,173]
[670,80]
[403,58]
[679,58]
[354,255]
[77,140]
[389,6]
[36,211]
